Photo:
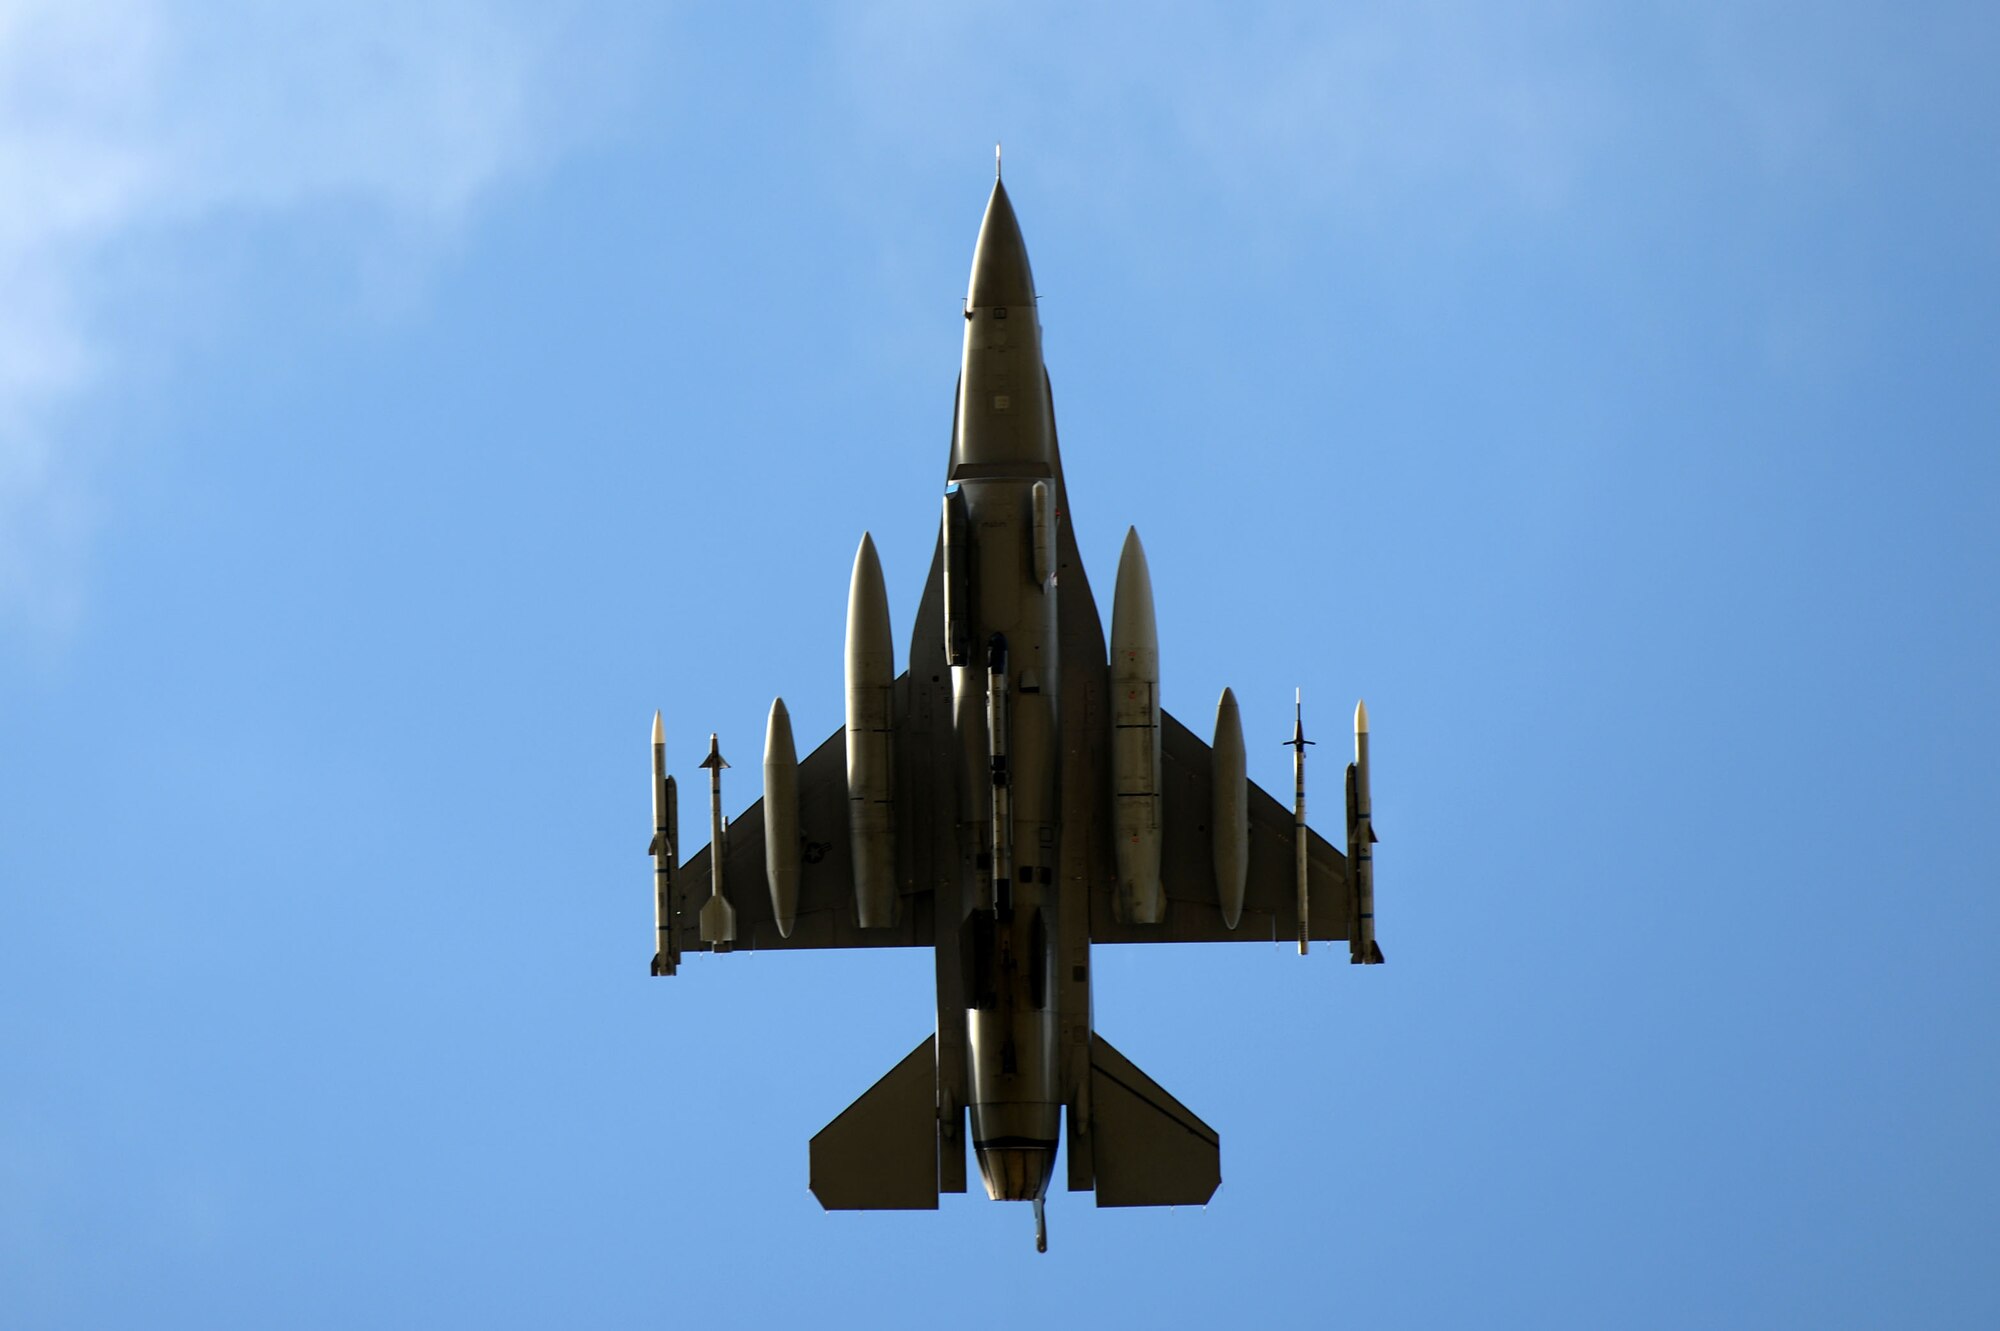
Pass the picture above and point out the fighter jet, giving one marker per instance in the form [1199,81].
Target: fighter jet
[1012,796]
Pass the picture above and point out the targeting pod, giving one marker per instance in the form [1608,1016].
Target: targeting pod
[1042,506]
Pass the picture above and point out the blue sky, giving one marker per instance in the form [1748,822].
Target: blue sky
[396,408]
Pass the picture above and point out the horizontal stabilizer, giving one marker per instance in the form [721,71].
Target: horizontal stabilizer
[881,1153]
[1149,1149]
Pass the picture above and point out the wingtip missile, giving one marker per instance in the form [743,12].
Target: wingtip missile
[665,833]
[1363,950]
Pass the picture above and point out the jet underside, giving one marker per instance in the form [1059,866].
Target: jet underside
[1011,796]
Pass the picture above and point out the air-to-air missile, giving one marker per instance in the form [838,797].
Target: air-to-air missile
[718,917]
[1014,795]
[1301,834]
[666,836]
[1362,948]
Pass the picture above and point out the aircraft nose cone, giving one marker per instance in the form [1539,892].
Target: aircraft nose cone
[1000,272]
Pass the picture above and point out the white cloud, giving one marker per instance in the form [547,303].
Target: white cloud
[122,120]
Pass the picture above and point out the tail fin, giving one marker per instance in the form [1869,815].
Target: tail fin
[881,1152]
[1147,1148]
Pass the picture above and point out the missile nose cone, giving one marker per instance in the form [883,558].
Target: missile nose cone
[714,758]
[1361,717]
[659,731]
[1000,273]
[1298,741]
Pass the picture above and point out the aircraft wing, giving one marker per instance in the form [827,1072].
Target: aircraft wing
[1270,899]
[826,914]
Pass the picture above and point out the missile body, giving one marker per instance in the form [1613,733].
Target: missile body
[666,836]
[781,818]
[1362,949]
[1301,836]
[718,917]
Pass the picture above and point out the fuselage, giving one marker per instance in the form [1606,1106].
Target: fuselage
[1002,490]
